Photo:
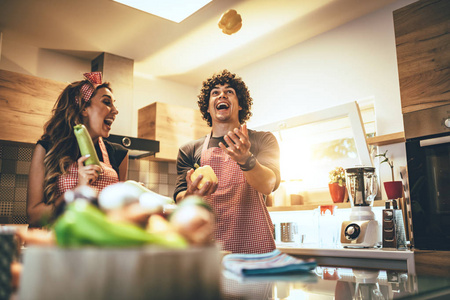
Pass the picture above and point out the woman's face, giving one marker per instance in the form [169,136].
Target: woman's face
[100,114]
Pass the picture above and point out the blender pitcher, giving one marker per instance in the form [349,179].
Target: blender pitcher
[361,185]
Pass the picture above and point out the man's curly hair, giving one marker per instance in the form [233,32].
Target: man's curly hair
[242,93]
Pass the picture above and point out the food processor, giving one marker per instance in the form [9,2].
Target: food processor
[361,231]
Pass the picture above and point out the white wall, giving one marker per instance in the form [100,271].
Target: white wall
[355,61]
[22,58]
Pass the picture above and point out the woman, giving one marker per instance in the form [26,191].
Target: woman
[56,165]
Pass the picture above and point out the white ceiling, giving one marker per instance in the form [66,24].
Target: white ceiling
[185,52]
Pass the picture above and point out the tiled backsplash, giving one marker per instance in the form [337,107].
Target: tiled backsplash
[160,177]
[15,160]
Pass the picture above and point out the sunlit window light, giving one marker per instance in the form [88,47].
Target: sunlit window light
[173,10]
[310,152]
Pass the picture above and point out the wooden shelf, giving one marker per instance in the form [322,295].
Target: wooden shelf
[387,139]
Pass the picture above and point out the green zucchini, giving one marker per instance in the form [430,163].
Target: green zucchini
[86,145]
[84,224]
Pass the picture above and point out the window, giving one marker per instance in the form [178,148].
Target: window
[312,145]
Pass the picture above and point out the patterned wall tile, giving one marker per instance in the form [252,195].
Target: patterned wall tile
[153,178]
[19,208]
[133,165]
[163,168]
[133,175]
[172,168]
[163,178]
[18,220]
[23,167]
[25,153]
[154,166]
[7,180]
[8,166]
[143,164]
[6,194]
[20,194]
[9,152]
[6,208]
[21,181]
[144,177]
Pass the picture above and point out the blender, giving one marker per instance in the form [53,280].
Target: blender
[361,231]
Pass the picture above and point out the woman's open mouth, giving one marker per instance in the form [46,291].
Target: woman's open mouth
[108,122]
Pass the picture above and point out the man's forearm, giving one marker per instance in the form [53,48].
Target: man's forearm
[261,178]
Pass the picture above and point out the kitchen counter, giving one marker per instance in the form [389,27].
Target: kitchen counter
[353,257]
[337,283]
[193,270]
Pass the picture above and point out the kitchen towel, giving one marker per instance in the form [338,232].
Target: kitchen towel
[272,263]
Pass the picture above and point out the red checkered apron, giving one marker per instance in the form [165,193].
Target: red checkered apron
[109,176]
[243,224]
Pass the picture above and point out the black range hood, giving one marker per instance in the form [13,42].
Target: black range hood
[138,147]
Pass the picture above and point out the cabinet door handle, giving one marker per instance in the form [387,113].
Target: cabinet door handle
[435,141]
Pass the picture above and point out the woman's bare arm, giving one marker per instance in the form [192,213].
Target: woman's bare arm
[37,209]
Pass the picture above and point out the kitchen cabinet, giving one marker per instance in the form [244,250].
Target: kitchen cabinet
[26,103]
[171,125]
[423,54]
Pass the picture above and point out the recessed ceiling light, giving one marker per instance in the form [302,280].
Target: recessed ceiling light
[173,10]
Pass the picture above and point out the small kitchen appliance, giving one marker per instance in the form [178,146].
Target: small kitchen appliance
[361,231]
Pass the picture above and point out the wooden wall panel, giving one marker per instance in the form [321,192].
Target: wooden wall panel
[172,126]
[423,54]
[25,105]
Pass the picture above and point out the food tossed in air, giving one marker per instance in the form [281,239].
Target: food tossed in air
[230,22]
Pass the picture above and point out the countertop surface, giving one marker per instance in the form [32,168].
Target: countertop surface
[337,283]
[393,259]
[197,274]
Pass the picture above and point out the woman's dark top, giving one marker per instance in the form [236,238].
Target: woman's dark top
[115,151]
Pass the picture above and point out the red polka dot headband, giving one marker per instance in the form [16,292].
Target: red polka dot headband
[95,78]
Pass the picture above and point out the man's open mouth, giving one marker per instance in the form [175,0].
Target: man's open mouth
[222,105]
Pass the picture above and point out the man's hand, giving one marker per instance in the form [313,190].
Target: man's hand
[192,186]
[238,144]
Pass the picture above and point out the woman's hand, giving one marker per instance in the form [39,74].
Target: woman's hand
[192,186]
[87,174]
[238,144]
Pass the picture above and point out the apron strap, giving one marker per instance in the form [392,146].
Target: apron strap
[206,143]
[102,146]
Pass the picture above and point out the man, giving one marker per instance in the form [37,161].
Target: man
[245,161]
